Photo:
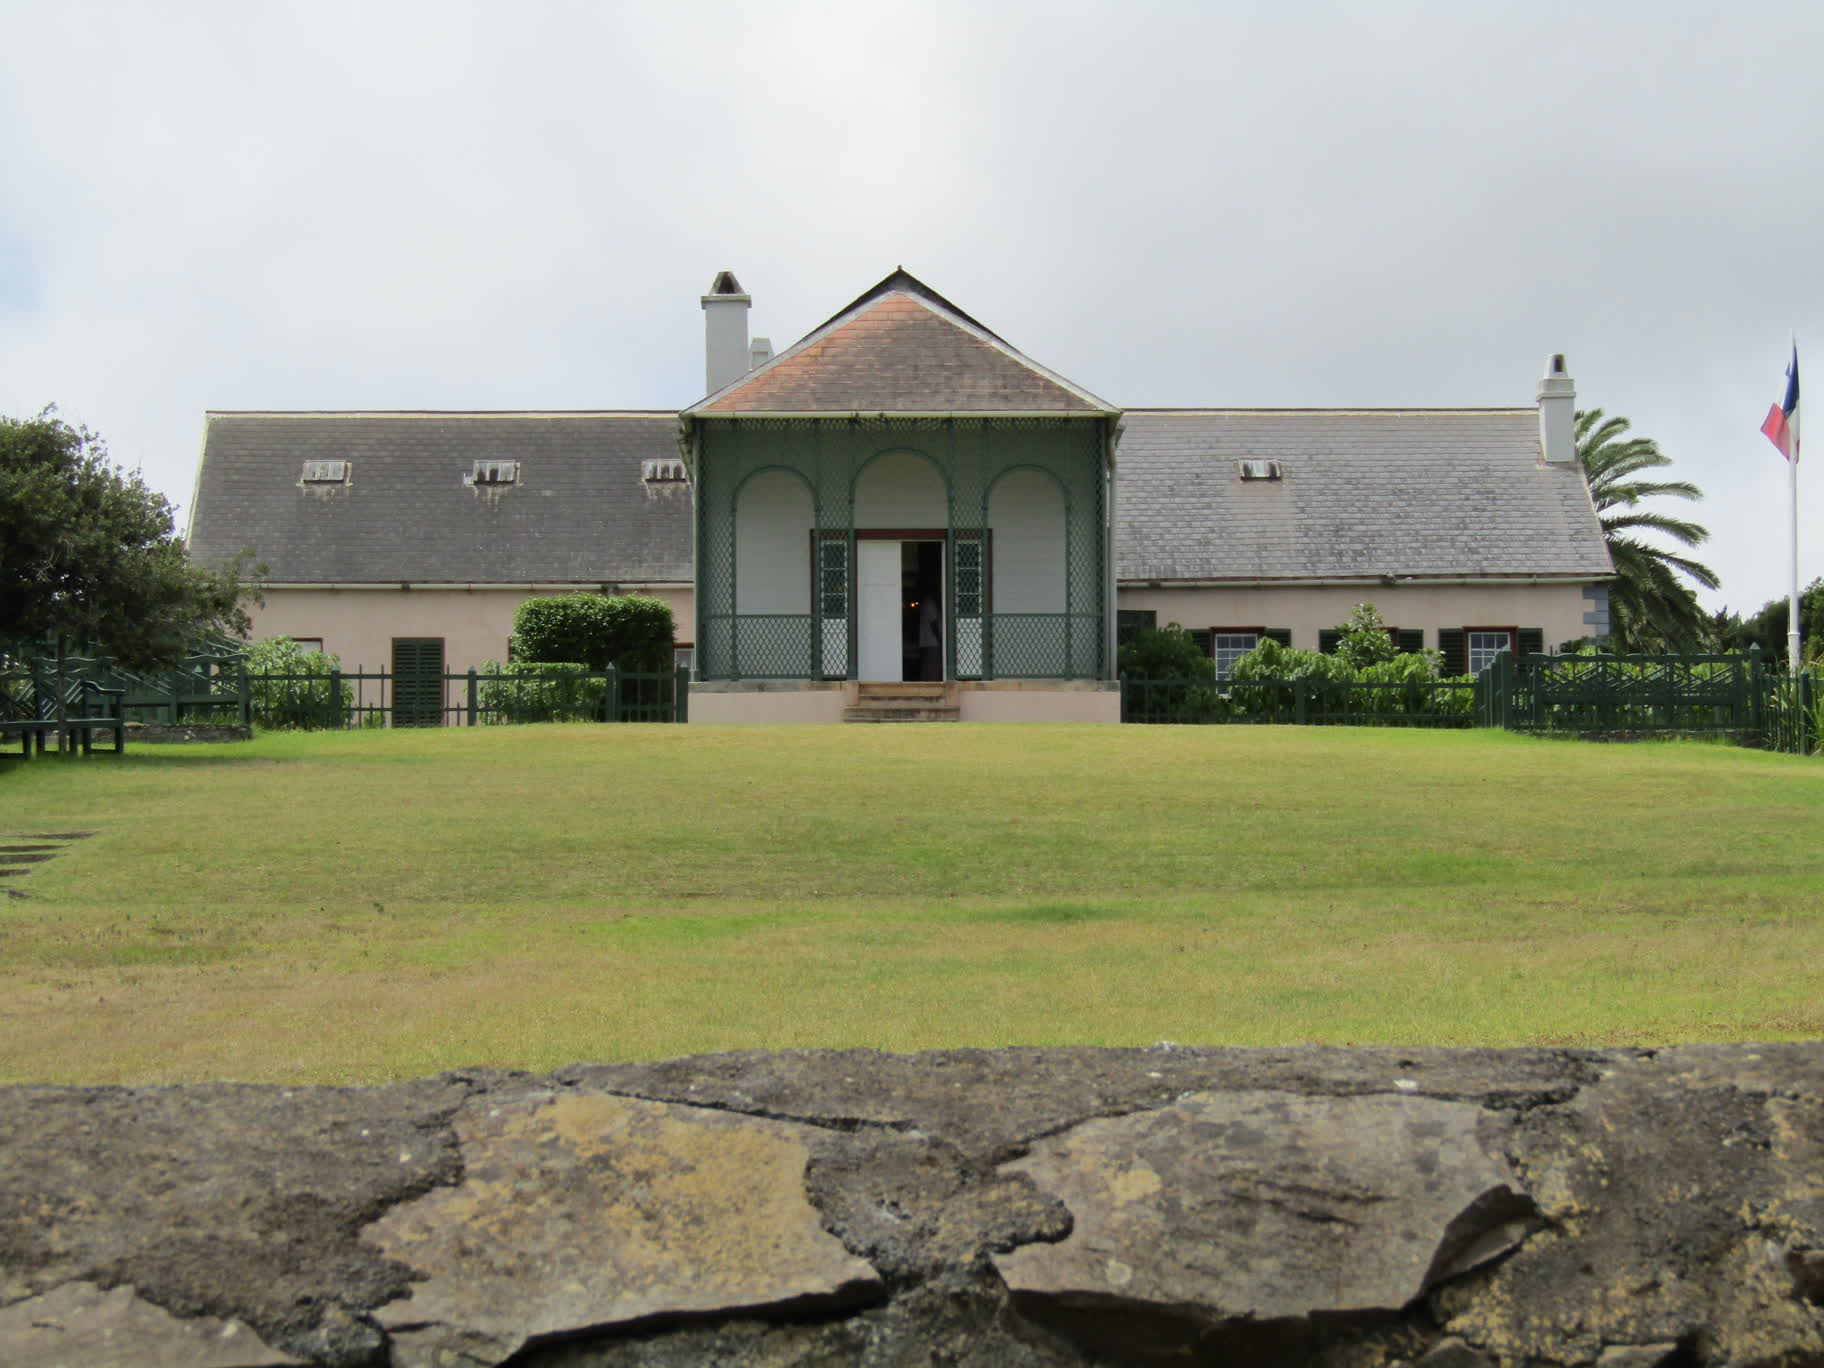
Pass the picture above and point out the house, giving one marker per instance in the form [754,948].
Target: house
[903,503]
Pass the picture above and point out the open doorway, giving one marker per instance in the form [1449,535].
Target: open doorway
[921,577]
[899,601]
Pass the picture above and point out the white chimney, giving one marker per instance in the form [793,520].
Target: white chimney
[725,331]
[759,352]
[1558,413]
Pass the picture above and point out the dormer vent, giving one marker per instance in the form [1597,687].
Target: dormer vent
[495,473]
[1258,470]
[663,472]
[325,472]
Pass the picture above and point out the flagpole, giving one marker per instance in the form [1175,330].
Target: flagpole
[1793,658]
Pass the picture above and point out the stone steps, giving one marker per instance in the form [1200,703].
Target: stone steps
[906,702]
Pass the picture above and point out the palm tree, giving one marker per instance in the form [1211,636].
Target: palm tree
[1650,606]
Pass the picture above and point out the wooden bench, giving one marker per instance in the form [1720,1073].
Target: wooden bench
[34,733]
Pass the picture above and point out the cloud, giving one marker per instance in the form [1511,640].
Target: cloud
[475,206]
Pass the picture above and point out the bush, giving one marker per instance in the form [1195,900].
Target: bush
[539,691]
[1167,652]
[1364,638]
[1417,671]
[627,631]
[302,697]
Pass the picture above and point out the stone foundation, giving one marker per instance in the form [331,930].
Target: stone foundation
[1345,1208]
[165,733]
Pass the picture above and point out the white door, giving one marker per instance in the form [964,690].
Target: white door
[877,611]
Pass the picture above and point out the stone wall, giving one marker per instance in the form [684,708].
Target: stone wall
[187,732]
[1347,1208]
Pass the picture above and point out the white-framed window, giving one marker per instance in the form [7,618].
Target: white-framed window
[1484,644]
[663,472]
[309,643]
[325,472]
[1229,647]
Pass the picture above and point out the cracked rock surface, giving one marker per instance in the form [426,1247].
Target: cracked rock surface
[1034,1207]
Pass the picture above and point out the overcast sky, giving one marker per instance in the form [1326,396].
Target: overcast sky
[254,205]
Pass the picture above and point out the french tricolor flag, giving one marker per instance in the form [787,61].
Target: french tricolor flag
[1782,425]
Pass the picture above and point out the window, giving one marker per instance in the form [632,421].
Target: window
[1485,643]
[309,643]
[663,472]
[495,473]
[1229,647]
[832,588]
[971,588]
[1130,622]
[1258,470]
[325,472]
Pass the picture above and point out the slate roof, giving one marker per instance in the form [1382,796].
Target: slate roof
[1444,493]
[580,512]
[901,347]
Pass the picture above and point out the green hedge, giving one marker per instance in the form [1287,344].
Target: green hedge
[628,631]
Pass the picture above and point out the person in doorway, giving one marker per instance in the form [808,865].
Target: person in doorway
[930,640]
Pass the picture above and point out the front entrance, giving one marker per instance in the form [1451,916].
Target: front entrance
[899,625]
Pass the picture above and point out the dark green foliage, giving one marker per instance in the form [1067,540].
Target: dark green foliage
[628,631]
[1767,628]
[1167,652]
[1651,608]
[540,691]
[1364,639]
[292,689]
[88,554]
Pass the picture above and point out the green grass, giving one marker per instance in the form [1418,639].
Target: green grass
[381,904]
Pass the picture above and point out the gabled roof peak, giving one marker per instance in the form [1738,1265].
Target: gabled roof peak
[900,347]
[900,280]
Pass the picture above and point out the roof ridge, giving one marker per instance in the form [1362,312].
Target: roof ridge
[1215,411]
[441,413]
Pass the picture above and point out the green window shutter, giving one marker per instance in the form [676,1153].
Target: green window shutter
[1129,621]
[1205,639]
[1409,640]
[1330,640]
[1532,641]
[1454,643]
[1283,635]
[417,681]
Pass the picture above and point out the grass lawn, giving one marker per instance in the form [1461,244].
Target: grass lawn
[371,905]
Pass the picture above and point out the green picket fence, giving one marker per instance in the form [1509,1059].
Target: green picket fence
[1736,695]
[1610,693]
[343,699]
[220,689]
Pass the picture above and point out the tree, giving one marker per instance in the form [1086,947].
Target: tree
[1364,639]
[1767,628]
[1651,608]
[88,556]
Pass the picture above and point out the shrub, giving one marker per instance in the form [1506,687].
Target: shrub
[628,631]
[1167,652]
[1276,668]
[1365,641]
[290,688]
[538,691]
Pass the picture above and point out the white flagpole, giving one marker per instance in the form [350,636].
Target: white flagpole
[1792,518]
